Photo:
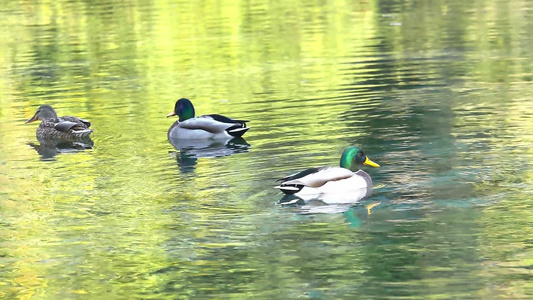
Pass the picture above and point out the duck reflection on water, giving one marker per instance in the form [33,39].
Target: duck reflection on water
[190,150]
[326,203]
[48,148]
[355,213]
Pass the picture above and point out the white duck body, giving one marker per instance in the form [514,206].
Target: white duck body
[204,127]
[332,185]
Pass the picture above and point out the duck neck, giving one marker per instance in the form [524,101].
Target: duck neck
[187,113]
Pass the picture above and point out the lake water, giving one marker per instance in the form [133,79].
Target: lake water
[437,92]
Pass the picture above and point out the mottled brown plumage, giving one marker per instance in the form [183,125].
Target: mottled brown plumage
[67,128]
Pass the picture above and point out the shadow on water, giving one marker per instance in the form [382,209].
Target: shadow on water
[49,148]
[190,150]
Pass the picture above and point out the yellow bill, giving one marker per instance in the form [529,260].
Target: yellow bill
[368,162]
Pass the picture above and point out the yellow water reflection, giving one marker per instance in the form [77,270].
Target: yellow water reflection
[439,90]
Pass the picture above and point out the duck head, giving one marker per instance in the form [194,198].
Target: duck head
[184,109]
[353,158]
[44,112]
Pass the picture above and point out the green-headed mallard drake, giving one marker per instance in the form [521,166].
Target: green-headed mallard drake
[202,127]
[314,183]
[68,127]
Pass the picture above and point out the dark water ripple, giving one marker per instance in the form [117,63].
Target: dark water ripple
[438,94]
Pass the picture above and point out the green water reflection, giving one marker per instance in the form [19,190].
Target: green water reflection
[436,92]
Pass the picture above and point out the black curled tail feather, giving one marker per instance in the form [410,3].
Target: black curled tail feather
[290,189]
[236,131]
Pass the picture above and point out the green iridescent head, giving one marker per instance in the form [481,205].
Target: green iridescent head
[353,158]
[184,109]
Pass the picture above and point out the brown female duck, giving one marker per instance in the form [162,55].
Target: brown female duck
[68,127]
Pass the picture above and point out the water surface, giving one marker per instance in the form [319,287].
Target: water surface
[438,93]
